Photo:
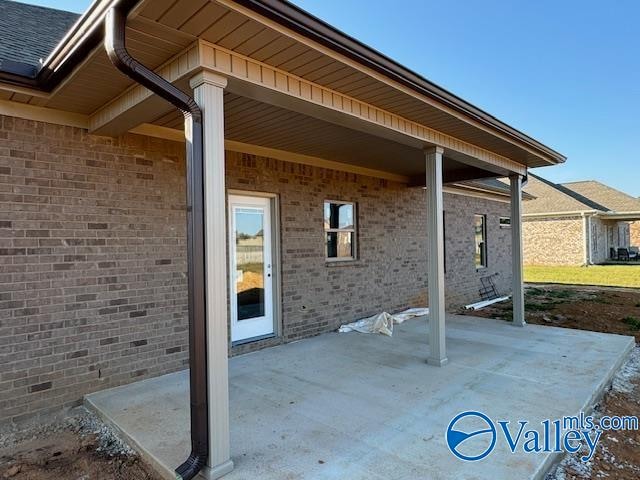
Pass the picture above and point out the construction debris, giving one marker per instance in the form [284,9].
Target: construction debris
[486,303]
[382,322]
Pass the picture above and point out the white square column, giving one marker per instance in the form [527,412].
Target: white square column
[516,249]
[435,256]
[208,91]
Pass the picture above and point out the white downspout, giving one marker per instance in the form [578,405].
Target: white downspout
[586,235]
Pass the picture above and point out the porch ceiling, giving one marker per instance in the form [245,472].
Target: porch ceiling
[255,123]
[160,29]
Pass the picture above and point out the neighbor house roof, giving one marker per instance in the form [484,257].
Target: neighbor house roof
[612,199]
[577,197]
[28,34]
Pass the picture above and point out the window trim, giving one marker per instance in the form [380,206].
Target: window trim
[353,231]
[504,225]
[485,249]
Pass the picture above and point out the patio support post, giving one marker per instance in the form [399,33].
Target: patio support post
[208,89]
[516,249]
[435,256]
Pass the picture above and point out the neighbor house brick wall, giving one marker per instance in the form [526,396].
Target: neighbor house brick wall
[635,233]
[92,248]
[553,241]
[92,254]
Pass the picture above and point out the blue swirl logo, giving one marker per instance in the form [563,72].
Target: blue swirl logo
[471,436]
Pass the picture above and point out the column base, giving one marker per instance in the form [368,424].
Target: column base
[437,362]
[213,473]
[519,324]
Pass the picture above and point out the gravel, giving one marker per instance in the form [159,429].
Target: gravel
[624,382]
[79,421]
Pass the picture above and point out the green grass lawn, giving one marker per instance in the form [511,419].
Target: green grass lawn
[606,275]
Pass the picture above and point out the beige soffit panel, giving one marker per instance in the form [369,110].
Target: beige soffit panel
[247,12]
[124,111]
[243,68]
[266,83]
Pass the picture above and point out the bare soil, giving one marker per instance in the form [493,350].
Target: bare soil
[77,447]
[617,456]
[598,309]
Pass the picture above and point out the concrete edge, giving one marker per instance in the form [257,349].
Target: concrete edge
[149,459]
[554,458]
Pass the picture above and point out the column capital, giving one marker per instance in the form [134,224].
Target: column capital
[515,176]
[434,149]
[209,78]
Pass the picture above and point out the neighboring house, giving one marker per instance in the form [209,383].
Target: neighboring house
[577,223]
[315,197]
[635,233]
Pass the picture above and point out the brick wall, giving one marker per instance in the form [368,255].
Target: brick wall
[93,257]
[462,278]
[635,234]
[390,272]
[553,241]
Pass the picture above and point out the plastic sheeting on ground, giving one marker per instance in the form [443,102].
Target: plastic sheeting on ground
[382,322]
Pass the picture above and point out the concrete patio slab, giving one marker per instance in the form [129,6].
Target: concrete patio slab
[355,406]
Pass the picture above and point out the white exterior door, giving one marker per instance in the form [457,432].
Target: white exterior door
[251,269]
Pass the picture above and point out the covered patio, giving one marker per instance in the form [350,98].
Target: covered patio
[365,406]
[266,79]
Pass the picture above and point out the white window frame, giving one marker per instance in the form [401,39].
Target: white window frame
[353,231]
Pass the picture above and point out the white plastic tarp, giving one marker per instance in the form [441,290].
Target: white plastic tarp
[382,322]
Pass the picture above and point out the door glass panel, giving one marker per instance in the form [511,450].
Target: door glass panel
[249,236]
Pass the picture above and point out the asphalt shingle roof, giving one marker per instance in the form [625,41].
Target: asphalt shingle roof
[576,197]
[29,33]
[554,198]
[612,199]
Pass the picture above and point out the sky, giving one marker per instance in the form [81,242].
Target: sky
[565,72]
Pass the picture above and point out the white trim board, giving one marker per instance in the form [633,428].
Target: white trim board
[60,117]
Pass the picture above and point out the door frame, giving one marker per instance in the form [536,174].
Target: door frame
[275,264]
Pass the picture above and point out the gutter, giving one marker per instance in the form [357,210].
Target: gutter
[574,213]
[114,43]
[622,216]
[300,21]
[86,35]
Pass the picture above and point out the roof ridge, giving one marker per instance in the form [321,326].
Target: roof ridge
[581,181]
[575,195]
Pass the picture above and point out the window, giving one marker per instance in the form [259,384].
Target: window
[505,222]
[340,230]
[480,222]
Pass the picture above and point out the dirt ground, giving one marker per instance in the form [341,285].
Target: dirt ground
[599,309]
[617,456]
[77,447]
